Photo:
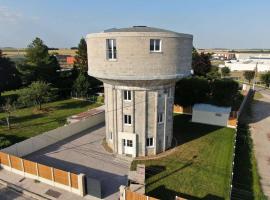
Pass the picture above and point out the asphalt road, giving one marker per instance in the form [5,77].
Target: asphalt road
[9,194]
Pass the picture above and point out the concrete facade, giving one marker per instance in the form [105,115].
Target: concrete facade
[149,78]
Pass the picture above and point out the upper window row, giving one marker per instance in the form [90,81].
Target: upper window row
[111,50]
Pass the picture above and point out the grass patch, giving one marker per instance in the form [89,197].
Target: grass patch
[257,95]
[28,122]
[199,168]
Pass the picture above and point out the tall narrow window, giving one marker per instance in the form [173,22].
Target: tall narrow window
[111,49]
[127,95]
[150,142]
[160,118]
[155,45]
[127,119]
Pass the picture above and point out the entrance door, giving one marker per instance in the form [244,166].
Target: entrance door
[127,146]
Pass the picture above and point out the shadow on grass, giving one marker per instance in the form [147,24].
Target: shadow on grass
[164,193]
[73,105]
[153,170]
[26,118]
[184,130]
[7,140]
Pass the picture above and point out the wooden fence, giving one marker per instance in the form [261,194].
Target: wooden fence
[184,110]
[56,177]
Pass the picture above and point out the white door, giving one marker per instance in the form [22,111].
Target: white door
[127,146]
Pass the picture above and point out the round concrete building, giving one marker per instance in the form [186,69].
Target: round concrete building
[139,67]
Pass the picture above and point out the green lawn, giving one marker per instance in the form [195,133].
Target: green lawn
[28,122]
[200,168]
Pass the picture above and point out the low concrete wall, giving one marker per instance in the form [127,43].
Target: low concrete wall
[40,141]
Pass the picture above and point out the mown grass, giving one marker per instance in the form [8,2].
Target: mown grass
[201,166]
[28,122]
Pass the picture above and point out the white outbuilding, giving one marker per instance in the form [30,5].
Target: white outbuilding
[211,114]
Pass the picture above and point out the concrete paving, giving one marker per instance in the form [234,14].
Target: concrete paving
[9,194]
[260,129]
[83,153]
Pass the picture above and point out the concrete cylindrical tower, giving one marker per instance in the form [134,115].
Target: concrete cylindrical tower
[139,67]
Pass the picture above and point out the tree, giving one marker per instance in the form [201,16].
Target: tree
[224,92]
[225,71]
[9,75]
[37,93]
[249,75]
[213,74]
[39,64]
[189,91]
[8,108]
[81,84]
[201,63]
[265,78]
[81,61]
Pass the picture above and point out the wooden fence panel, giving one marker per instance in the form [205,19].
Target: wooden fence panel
[61,176]
[30,167]
[16,163]
[74,180]
[134,196]
[4,159]
[44,171]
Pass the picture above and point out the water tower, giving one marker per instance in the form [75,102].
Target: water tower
[139,67]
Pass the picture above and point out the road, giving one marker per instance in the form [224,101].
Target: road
[9,194]
[260,129]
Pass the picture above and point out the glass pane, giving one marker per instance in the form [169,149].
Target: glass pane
[152,45]
[157,45]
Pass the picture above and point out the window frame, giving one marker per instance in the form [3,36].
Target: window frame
[129,143]
[155,42]
[128,95]
[113,50]
[148,142]
[127,119]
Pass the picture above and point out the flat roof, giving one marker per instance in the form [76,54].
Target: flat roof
[211,108]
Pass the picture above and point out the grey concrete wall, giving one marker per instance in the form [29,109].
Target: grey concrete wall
[40,141]
[134,59]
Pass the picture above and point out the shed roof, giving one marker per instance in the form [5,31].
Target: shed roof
[211,108]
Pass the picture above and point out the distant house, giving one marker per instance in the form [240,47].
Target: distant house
[211,114]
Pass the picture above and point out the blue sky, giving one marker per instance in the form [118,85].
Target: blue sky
[61,23]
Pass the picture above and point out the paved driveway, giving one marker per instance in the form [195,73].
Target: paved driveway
[260,129]
[83,153]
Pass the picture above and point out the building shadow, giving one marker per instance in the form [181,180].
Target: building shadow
[184,130]
[73,105]
[164,193]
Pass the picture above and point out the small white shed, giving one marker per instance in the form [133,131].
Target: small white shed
[210,114]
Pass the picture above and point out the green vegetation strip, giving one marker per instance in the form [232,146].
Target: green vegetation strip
[246,181]
[200,167]
[28,122]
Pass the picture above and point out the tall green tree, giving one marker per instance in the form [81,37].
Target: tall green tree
[39,64]
[201,63]
[189,91]
[9,75]
[37,93]
[265,78]
[225,71]
[81,85]
[81,61]
[249,75]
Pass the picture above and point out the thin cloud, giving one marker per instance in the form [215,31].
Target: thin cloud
[7,15]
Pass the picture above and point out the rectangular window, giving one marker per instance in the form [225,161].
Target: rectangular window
[160,118]
[155,45]
[127,95]
[129,143]
[111,135]
[150,142]
[127,119]
[168,91]
[124,142]
[111,49]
